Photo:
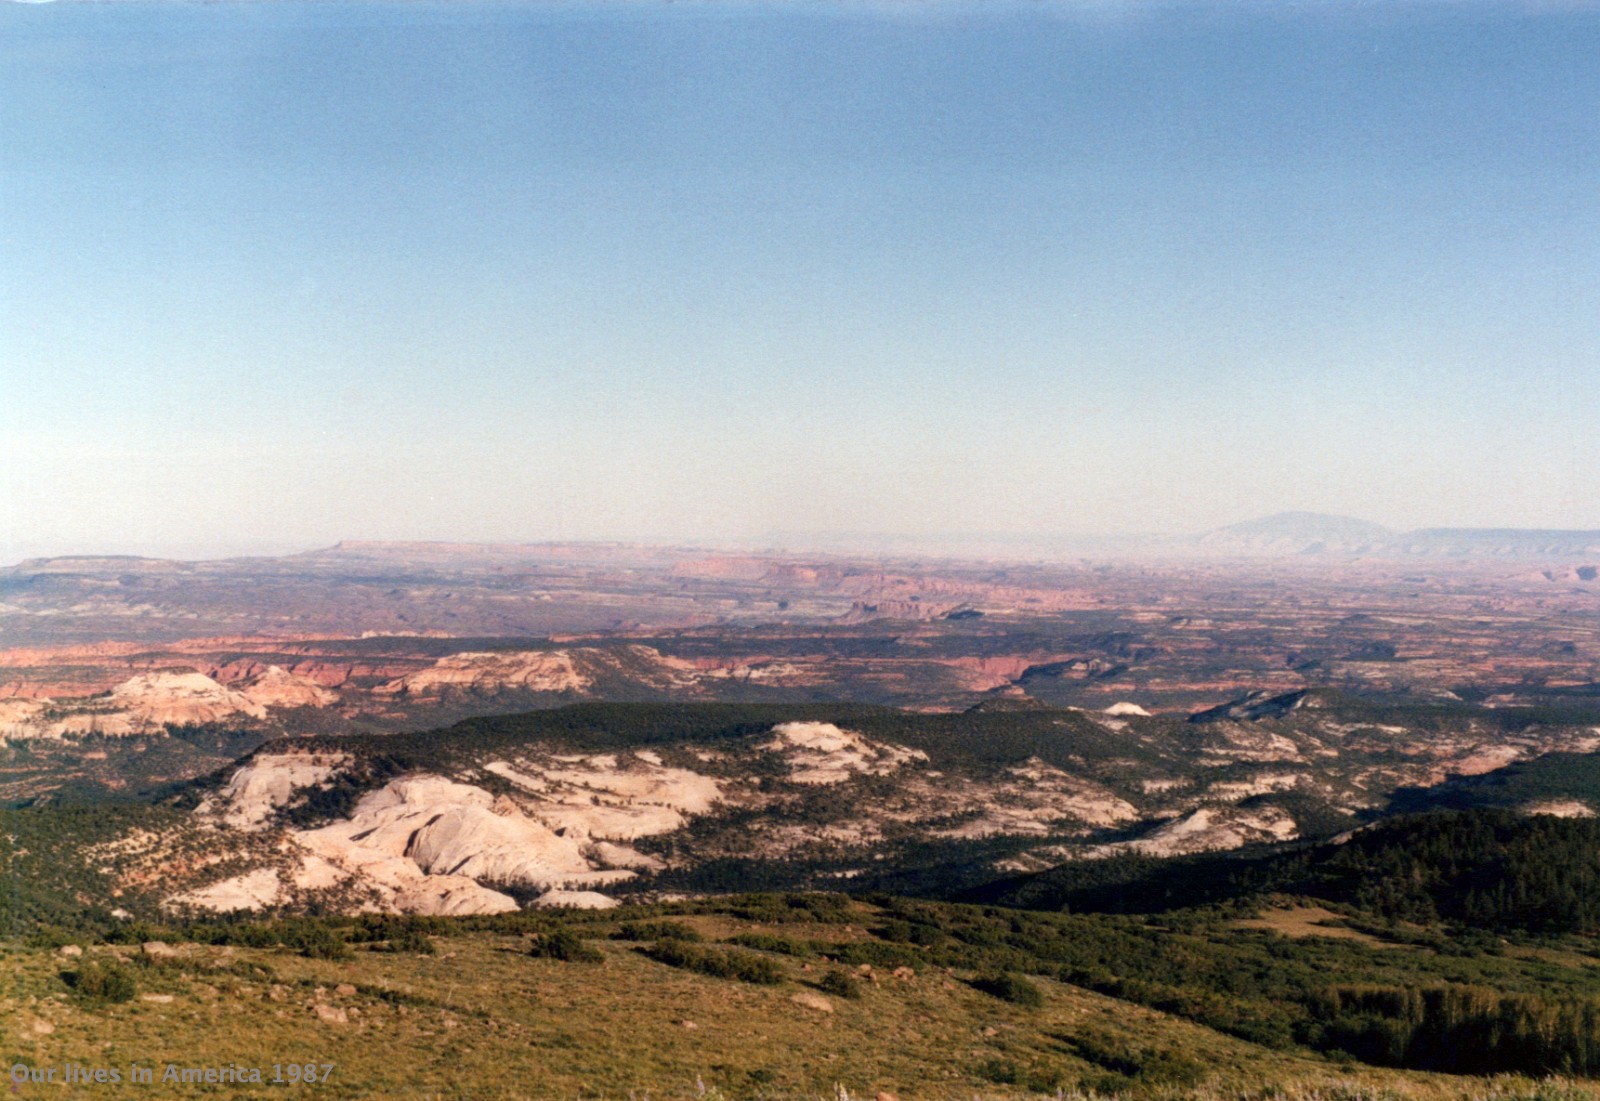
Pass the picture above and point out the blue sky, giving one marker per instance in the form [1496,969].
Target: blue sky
[277,274]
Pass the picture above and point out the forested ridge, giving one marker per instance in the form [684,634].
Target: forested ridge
[1483,869]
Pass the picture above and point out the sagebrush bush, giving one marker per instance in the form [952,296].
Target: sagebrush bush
[317,941]
[841,984]
[769,942]
[1010,987]
[414,941]
[723,964]
[656,930]
[564,944]
[98,982]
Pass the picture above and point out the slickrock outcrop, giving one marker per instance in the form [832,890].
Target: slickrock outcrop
[448,828]
[540,671]
[428,844]
[1235,741]
[821,753]
[572,671]
[337,856]
[1208,829]
[1036,798]
[1262,783]
[19,719]
[603,797]
[575,900]
[268,782]
[621,856]
[253,890]
[160,699]
[449,895]
[1561,808]
[140,705]
[277,687]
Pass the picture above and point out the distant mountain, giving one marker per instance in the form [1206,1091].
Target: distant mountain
[1298,533]
[1311,533]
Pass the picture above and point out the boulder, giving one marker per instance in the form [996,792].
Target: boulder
[810,999]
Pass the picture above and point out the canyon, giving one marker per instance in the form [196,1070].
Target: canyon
[414,727]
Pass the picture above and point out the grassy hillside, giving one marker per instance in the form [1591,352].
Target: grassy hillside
[922,1000]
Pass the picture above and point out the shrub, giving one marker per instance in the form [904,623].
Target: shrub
[840,984]
[1133,1061]
[875,952]
[564,944]
[317,941]
[907,932]
[823,909]
[744,966]
[102,983]
[1008,1072]
[52,936]
[250,935]
[767,942]
[414,941]
[1010,987]
[392,928]
[656,930]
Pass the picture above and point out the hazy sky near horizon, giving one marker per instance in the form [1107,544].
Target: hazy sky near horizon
[276,274]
